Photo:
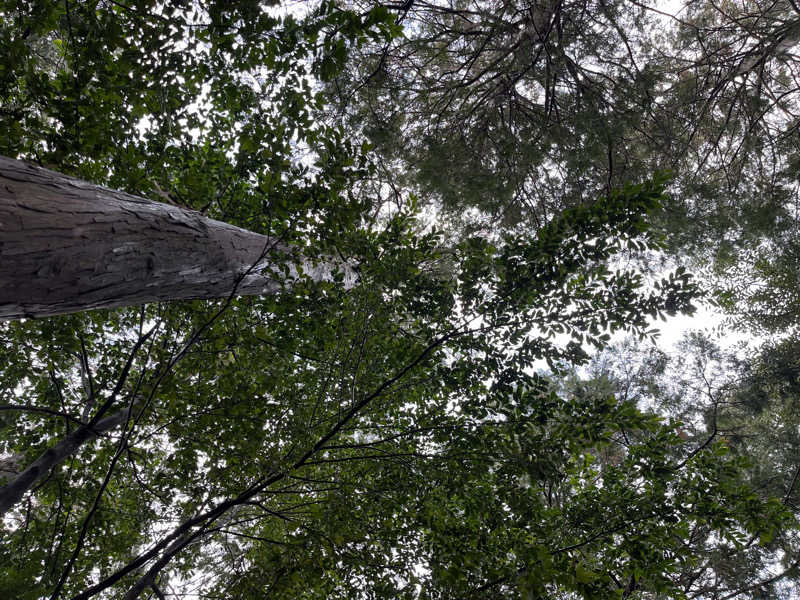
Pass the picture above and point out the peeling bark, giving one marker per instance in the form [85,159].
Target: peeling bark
[67,246]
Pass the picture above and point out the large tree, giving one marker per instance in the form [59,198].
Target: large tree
[407,436]
[68,246]
[352,430]
[521,108]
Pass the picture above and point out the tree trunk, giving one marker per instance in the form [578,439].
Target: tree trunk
[67,246]
[15,489]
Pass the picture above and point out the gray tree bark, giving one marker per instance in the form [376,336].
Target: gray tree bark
[68,246]
[15,489]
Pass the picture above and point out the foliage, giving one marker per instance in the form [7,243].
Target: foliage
[761,294]
[744,402]
[270,416]
[520,109]
[396,439]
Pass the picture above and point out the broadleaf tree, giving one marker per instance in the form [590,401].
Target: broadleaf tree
[405,433]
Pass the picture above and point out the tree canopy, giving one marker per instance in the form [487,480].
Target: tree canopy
[481,411]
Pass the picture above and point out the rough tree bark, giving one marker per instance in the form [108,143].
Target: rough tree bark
[68,246]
